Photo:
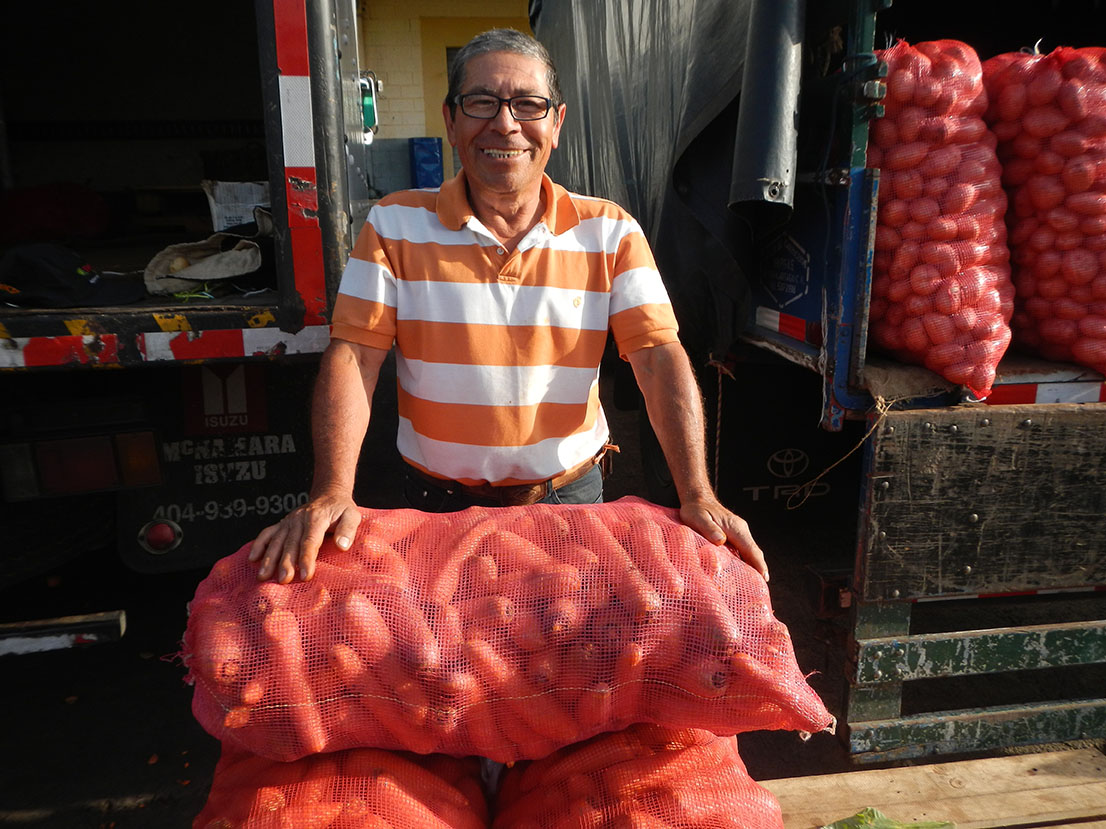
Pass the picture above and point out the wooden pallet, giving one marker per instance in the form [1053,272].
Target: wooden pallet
[1052,789]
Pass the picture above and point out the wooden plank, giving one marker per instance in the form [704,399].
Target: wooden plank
[969,652]
[951,732]
[984,499]
[1049,788]
[61,632]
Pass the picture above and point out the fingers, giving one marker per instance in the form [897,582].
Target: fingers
[291,548]
[719,525]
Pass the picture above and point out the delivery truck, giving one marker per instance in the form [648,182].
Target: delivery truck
[955,541]
[180,192]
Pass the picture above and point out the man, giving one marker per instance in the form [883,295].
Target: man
[498,291]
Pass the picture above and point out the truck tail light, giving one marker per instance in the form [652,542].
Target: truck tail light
[69,466]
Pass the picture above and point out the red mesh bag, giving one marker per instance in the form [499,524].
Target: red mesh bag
[355,789]
[645,776]
[1049,115]
[505,633]
[941,290]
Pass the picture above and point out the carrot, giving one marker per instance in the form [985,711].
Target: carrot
[543,668]
[576,554]
[367,631]
[587,758]
[254,689]
[474,713]
[542,581]
[307,815]
[629,779]
[594,707]
[414,640]
[630,586]
[222,650]
[282,632]
[404,688]
[422,783]
[238,716]
[562,619]
[345,662]
[646,542]
[582,814]
[445,580]
[704,679]
[270,596]
[477,574]
[513,552]
[489,614]
[319,780]
[629,682]
[537,710]
[399,806]
[637,819]
[525,632]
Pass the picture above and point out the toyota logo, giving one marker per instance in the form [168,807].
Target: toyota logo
[788,463]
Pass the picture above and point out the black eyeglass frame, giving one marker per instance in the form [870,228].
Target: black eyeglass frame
[460,101]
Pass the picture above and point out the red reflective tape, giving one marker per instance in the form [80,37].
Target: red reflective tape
[72,348]
[290,18]
[307,260]
[207,345]
[1102,393]
[1013,393]
[301,184]
[793,327]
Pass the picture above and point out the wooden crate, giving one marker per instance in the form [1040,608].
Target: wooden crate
[1049,789]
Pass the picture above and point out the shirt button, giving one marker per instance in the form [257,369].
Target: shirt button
[499,251]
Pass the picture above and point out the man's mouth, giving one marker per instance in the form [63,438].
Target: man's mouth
[502,154]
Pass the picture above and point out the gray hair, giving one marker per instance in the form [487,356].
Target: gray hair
[501,40]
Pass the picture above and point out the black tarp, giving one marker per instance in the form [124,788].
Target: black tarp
[656,123]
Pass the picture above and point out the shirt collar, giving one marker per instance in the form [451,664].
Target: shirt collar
[454,211]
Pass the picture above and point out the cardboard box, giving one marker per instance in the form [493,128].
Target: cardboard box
[232,202]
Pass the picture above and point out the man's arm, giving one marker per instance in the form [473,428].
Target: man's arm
[340,409]
[675,408]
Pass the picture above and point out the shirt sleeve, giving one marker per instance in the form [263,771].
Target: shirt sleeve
[641,314]
[365,308]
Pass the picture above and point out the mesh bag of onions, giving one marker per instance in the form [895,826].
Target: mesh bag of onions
[942,295]
[355,789]
[1049,115]
[505,633]
[645,776]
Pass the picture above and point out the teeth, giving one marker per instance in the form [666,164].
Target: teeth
[504,153]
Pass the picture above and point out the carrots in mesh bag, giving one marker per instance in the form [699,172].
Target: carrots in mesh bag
[502,633]
[354,788]
[645,775]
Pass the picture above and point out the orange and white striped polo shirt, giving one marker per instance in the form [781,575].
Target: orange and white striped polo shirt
[498,352]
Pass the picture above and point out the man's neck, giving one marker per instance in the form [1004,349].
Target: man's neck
[509,217]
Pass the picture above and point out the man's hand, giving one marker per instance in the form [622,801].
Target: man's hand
[716,523]
[292,546]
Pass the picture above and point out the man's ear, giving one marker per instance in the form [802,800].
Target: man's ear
[447,116]
[558,123]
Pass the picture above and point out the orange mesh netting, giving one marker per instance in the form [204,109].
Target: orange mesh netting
[355,789]
[645,776]
[505,633]
[1049,115]
[942,295]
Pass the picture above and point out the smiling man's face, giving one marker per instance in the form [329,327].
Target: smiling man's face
[502,156]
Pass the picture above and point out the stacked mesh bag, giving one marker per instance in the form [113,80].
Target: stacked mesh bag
[1048,113]
[942,295]
[510,634]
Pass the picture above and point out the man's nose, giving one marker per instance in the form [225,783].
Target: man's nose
[504,121]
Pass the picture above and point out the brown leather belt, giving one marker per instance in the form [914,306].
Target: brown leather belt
[517,495]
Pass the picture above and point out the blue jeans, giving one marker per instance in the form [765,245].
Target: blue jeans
[423,495]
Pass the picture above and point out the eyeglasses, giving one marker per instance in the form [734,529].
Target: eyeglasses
[486,107]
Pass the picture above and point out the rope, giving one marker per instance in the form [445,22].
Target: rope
[882,406]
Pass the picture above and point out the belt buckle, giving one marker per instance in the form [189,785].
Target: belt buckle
[522,495]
